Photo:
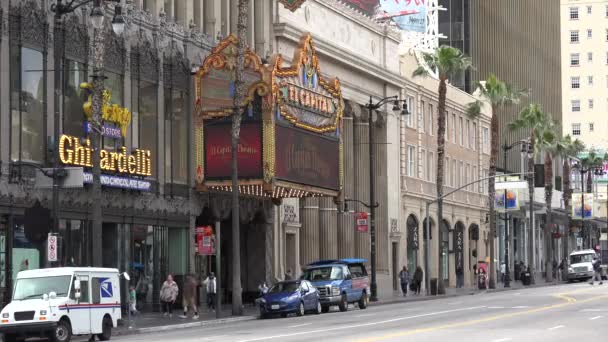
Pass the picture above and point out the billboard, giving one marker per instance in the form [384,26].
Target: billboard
[218,151]
[579,206]
[307,158]
[409,15]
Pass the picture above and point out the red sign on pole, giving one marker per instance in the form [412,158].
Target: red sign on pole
[205,240]
[361,222]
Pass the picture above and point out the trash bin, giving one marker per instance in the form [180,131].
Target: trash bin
[526,278]
[433,286]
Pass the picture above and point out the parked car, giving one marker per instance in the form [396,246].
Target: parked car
[64,301]
[580,265]
[339,282]
[293,296]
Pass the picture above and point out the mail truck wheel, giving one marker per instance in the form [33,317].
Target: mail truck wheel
[106,330]
[62,332]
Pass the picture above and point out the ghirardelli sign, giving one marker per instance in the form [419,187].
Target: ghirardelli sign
[307,158]
[302,96]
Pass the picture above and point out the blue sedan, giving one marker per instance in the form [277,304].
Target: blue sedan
[293,296]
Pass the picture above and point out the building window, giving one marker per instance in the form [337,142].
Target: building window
[454,127]
[409,119]
[28,136]
[461,130]
[590,103]
[606,11]
[461,174]
[589,9]
[447,127]
[469,133]
[176,134]
[574,36]
[576,129]
[430,170]
[474,136]
[589,33]
[590,80]
[421,121]
[485,136]
[422,164]
[467,178]
[589,56]
[575,59]
[446,168]
[575,82]
[591,127]
[454,178]
[73,99]
[607,35]
[411,160]
[573,13]
[576,105]
[431,119]
[474,178]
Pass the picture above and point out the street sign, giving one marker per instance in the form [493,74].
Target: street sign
[361,222]
[52,247]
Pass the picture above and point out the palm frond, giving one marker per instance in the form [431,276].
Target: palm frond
[420,72]
[473,109]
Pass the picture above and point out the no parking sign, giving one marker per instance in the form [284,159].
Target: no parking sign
[52,247]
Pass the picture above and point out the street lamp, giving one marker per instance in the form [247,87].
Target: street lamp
[118,25]
[371,106]
[525,151]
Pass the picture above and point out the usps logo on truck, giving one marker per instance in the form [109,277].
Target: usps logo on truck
[106,288]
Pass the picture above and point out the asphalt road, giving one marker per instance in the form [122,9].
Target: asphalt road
[568,312]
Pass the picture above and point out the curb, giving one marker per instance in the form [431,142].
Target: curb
[135,331]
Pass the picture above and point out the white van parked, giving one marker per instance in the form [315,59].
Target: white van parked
[580,266]
[60,302]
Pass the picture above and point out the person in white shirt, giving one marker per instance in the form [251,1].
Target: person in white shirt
[210,286]
[503,271]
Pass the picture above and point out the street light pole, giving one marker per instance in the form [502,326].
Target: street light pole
[371,106]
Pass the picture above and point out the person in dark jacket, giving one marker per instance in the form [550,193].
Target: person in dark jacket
[418,275]
[404,279]
[597,269]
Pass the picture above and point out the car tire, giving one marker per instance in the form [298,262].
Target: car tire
[283,315]
[106,330]
[343,306]
[301,310]
[10,338]
[263,315]
[363,301]
[62,332]
[325,308]
[319,308]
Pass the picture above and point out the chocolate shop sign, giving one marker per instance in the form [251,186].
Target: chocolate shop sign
[121,164]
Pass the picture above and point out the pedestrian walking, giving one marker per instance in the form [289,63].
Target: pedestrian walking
[459,277]
[168,294]
[404,279]
[133,300]
[418,275]
[288,275]
[560,274]
[210,286]
[503,272]
[189,296]
[597,271]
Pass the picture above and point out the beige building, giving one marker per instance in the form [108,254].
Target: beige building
[466,160]
[584,35]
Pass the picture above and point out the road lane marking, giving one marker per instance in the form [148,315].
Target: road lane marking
[360,325]
[299,325]
[496,307]
[454,303]
[556,327]
[521,307]
[594,318]
[477,321]
[503,339]
[364,315]
[212,338]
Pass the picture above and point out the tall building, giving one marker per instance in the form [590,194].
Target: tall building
[584,85]
[508,39]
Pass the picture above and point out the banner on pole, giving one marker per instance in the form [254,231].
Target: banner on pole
[205,240]
[361,222]
[505,200]
[582,203]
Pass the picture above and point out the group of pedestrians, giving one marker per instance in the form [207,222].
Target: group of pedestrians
[414,282]
[170,290]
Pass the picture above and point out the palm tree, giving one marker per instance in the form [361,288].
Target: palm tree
[532,117]
[239,95]
[567,149]
[499,95]
[446,61]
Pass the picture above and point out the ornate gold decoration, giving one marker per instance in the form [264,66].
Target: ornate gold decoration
[110,112]
[306,64]
[292,5]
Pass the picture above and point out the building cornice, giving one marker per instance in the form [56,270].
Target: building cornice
[339,55]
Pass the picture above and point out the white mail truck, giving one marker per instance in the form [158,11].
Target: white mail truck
[59,303]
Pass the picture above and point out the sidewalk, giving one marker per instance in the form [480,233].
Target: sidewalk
[156,322]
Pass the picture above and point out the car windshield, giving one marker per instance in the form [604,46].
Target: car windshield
[284,287]
[28,288]
[576,259]
[324,273]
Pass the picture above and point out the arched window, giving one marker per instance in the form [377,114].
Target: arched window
[114,70]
